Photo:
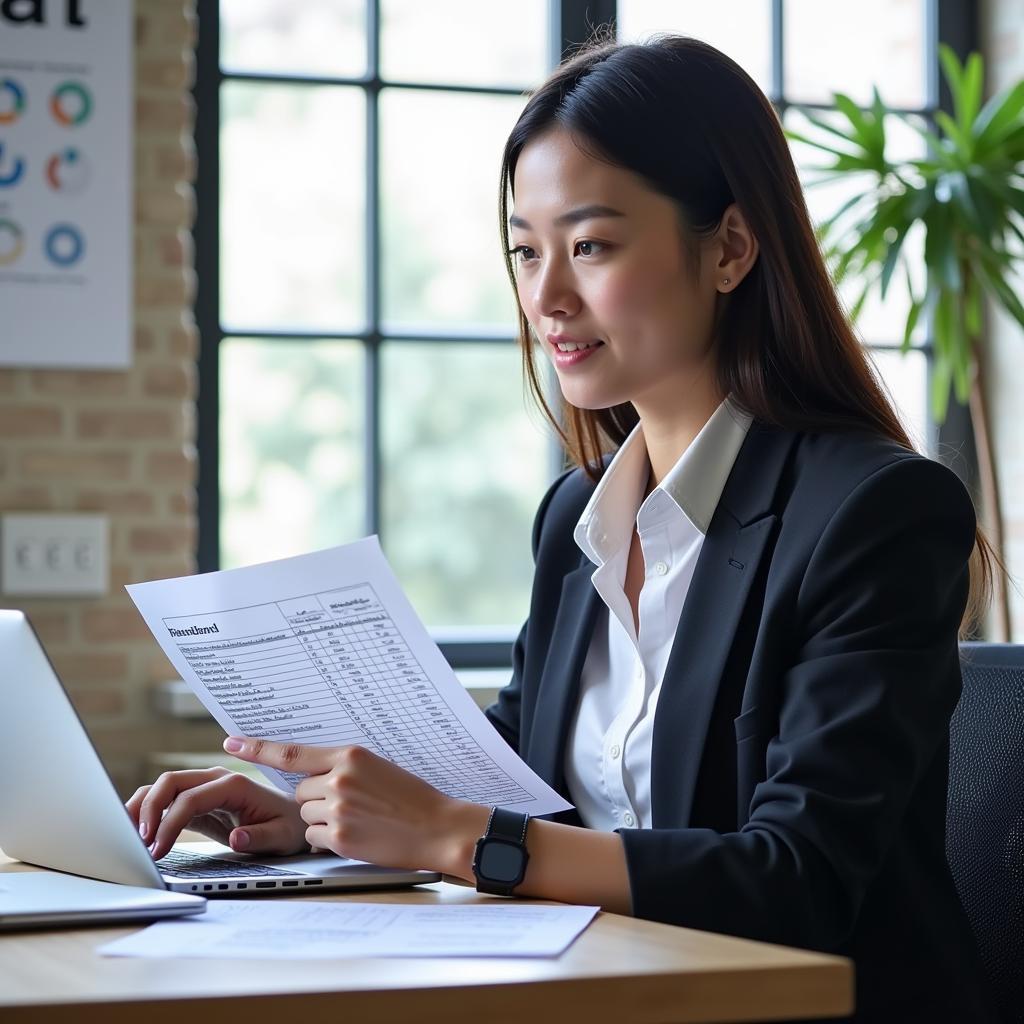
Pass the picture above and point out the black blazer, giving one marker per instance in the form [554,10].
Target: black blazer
[800,746]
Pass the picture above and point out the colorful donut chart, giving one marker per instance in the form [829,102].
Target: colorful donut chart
[70,104]
[64,245]
[67,171]
[12,242]
[12,101]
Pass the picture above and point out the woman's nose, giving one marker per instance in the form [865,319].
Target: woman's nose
[554,292]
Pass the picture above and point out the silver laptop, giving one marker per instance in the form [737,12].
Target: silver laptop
[59,809]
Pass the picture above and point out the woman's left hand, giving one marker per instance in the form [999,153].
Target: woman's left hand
[359,805]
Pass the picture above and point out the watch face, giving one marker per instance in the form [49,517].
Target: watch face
[500,862]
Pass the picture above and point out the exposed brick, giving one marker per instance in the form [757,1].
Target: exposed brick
[169,207]
[169,115]
[26,499]
[145,339]
[164,73]
[129,424]
[171,381]
[182,503]
[97,700]
[91,383]
[52,624]
[112,625]
[162,540]
[175,162]
[183,342]
[171,569]
[9,381]
[56,463]
[24,420]
[168,290]
[117,502]
[91,667]
[177,466]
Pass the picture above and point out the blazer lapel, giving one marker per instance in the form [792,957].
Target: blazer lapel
[559,685]
[737,539]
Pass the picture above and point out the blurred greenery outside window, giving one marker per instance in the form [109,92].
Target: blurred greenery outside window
[364,376]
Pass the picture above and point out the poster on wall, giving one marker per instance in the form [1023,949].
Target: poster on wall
[66,76]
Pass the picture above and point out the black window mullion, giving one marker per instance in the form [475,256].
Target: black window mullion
[372,400]
[206,246]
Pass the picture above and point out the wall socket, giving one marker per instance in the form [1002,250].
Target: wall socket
[45,555]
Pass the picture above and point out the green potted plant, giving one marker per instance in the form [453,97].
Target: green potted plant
[968,193]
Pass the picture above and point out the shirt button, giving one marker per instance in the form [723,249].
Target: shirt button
[629,819]
[660,568]
[615,751]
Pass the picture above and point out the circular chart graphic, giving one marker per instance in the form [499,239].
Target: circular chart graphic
[71,104]
[64,245]
[67,171]
[11,170]
[12,241]
[12,101]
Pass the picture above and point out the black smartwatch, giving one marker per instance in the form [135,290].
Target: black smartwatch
[499,860]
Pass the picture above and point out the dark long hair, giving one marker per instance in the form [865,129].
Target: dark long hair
[692,123]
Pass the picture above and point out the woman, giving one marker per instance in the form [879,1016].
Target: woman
[741,655]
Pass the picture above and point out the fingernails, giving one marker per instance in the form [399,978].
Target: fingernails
[144,830]
[240,840]
[233,744]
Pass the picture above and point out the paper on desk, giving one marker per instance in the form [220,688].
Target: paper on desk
[261,929]
[326,649]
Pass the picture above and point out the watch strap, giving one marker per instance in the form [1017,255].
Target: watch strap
[506,824]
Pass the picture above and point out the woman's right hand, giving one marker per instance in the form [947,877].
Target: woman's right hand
[223,805]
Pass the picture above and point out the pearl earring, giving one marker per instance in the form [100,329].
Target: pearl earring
[725,280]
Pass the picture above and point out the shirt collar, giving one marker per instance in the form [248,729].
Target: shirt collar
[695,483]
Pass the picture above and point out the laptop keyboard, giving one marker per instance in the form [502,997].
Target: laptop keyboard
[192,865]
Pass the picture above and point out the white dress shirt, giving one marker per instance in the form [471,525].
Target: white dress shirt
[608,753]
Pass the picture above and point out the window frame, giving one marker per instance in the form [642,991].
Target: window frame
[569,23]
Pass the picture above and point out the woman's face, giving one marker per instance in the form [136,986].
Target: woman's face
[615,280]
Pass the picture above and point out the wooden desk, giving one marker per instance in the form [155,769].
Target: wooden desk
[619,970]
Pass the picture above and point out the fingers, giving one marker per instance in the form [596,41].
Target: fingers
[134,804]
[148,803]
[192,801]
[315,812]
[276,836]
[287,757]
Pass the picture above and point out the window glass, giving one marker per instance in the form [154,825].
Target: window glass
[464,42]
[465,462]
[292,473]
[849,47]
[741,29]
[298,37]
[441,251]
[879,321]
[905,375]
[292,207]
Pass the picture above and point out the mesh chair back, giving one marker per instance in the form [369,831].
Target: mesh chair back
[985,813]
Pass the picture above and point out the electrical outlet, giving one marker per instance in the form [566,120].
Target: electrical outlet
[45,555]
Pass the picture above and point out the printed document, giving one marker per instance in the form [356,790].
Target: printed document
[272,929]
[325,649]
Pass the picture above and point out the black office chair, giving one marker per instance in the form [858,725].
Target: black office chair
[985,812]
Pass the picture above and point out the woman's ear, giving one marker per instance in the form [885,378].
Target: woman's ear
[737,249]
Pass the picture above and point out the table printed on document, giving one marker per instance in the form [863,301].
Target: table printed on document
[332,669]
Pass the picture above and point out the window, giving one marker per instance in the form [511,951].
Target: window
[359,371]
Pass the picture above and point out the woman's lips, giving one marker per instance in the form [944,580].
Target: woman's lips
[573,351]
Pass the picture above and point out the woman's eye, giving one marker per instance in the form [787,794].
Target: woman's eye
[524,249]
[520,250]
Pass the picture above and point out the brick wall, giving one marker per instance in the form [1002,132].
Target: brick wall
[1002,41]
[121,442]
